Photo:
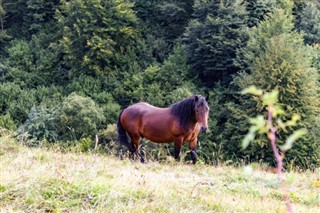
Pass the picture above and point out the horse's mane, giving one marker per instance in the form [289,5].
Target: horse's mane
[184,110]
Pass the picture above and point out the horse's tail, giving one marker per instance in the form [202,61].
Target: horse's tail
[122,135]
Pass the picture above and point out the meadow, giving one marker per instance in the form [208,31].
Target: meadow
[52,180]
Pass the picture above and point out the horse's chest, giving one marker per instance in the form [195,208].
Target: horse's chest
[190,135]
[187,134]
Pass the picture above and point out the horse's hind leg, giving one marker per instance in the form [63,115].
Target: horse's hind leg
[135,140]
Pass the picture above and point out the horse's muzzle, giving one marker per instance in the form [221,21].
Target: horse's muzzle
[203,129]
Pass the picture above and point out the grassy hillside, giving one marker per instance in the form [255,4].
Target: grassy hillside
[39,180]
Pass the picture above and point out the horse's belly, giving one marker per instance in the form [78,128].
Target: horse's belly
[159,133]
[165,132]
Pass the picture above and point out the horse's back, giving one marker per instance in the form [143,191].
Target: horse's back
[148,121]
[142,109]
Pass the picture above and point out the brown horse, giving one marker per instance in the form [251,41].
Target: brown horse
[181,122]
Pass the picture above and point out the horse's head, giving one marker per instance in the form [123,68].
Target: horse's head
[201,112]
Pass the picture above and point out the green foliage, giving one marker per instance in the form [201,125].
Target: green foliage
[315,61]
[276,23]
[261,125]
[41,124]
[308,20]
[212,38]
[94,88]
[108,105]
[163,22]
[173,17]
[2,15]
[41,14]
[109,134]
[118,52]
[258,9]
[159,85]
[279,60]
[108,140]
[85,144]
[96,34]
[15,20]
[32,63]
[4,37]
[7,122]
[15,101]
[80,116]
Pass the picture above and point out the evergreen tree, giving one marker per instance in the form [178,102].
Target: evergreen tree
[4,37]
[279,60]
[307,15]
[160,85]
[97,34]
[212,38]
[258,9]
[15,20]
[41,16]
[33,63]
[163,23]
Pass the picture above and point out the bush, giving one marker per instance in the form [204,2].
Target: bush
[108,139]
[93,88]
[42,123]
[79,117]
[16,101]
[6,122]
[109,107]
[32,63]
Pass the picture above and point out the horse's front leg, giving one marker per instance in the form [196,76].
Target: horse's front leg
[193,148]
[177,148]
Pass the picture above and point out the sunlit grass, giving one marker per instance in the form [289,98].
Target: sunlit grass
[39,180]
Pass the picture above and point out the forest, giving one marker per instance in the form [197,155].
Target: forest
[68,67]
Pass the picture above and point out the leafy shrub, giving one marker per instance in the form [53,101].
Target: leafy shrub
[85,144]
[84,85]
[42,123]
[109,134]
[32,63]
[16,101]
[93,88]
[80,116]
[108,139]
[159,85]
[109,107]
[7,122]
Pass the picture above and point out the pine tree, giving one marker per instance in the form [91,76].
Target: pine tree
[97,34]
[212,38]
[258,9]
[307,16]
[4,37]
[278,60]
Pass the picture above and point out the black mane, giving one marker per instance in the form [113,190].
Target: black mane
[184,110]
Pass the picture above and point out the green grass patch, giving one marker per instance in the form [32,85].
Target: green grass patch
[41,180]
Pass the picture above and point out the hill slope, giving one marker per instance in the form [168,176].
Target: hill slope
[38,180]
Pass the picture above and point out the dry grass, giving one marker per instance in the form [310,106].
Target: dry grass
[38,180]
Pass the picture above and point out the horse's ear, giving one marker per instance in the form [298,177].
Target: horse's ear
[207,98]
[196,98]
